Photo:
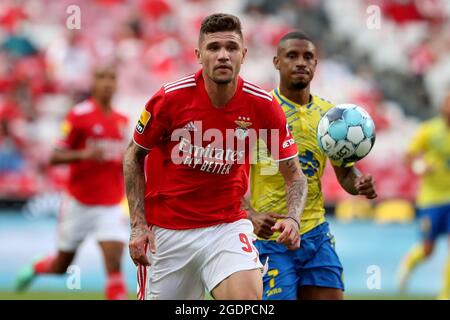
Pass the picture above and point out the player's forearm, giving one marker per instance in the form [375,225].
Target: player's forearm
[347,178]
[135,184]
[67,156]
[296,193]
[296,188]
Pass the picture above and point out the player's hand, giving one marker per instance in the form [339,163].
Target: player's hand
[140,238]
[289,236]
[263,223]
[365,185]
[93,153]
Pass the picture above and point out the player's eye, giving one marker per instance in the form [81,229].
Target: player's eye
[213,47]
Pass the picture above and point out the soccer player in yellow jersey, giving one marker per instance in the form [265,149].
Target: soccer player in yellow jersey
[429,156]
[313,271]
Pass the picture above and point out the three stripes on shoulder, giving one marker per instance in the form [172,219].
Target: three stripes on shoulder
[189,81]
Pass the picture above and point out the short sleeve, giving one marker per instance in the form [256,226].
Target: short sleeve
[154,122]
[70,134]
[279,140]
[419,142]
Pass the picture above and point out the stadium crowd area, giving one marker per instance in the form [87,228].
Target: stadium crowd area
[398,72]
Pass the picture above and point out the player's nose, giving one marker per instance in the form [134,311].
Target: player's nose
[223,55]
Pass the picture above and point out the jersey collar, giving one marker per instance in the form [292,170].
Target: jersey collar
[291,104]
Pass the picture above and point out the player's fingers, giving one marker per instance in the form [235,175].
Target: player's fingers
[293,236]
[372,195]
[365,188]
[143,260]
[296,245]
[263,232]
[284,236]
[268,226]
[277,226]
[137,248]
[369,193]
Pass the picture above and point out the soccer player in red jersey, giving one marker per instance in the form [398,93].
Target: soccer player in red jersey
[190,226]
[95,137]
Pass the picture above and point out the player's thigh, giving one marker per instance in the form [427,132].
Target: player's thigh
[175,272]
[280,280]
[230,250]
[433,223]
[321,267]
[110,224]
[74,224]
[182,284]
[241,285]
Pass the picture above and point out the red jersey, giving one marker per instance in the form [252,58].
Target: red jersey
[96,182]
[198,168]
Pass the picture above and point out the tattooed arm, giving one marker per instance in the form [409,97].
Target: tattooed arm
[296,192]
[141,235]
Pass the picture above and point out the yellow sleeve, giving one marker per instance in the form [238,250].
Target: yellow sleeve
[419,142]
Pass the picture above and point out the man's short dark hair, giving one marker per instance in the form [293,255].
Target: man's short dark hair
[220,22]
[295,35]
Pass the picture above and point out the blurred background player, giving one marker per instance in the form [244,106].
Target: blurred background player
[429,157]
[93,144]
[313,271]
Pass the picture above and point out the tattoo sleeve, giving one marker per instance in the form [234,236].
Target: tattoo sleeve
[296,187]
[133,167]
[347,177]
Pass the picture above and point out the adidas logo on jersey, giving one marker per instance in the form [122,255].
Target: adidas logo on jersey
[190,127]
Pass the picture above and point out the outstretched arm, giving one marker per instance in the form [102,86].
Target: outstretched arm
[140,236]
[355,183]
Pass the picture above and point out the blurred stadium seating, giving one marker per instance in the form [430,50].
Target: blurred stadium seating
[44,69]
[398,73]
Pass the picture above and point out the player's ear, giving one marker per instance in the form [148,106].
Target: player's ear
[198,55]
[276,62]
[244,54]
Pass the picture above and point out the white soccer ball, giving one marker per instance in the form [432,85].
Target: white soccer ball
[346,133]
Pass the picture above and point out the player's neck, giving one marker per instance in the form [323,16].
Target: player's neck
[300,97]
[103,104]
[220,94]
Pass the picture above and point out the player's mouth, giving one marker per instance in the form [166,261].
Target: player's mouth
[301,72]
[223,67]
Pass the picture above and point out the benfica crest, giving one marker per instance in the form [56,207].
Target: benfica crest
[243,124]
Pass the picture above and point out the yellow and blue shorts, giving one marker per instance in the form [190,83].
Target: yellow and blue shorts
[315,263]
[434,221]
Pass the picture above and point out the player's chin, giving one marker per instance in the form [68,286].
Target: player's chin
[225,79]
[299,84]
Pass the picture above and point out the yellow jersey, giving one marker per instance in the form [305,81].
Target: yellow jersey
[432,140]
[267,187]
